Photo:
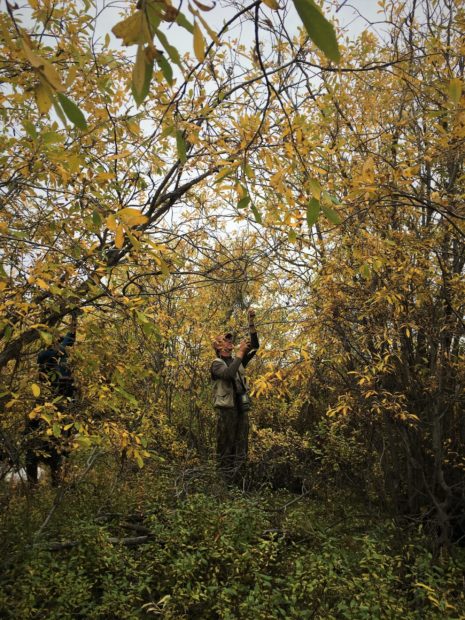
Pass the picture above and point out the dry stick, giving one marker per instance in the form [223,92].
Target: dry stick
[293,501]
[69,544]
[131,541]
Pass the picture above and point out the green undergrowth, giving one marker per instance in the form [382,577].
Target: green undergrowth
[213,552]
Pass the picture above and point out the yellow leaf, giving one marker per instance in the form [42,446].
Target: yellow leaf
[119,237]
[204,23]
[46,337]
[272,4]
[71,75]
[276,179]
[111,222]
[104,176]
[137,220]
[44,66]
[52,76]
[42,284]
[132,29]
[35,390]
[6,35]
[119,155]
[241,191]
[139,459]
[315,188]
[199,43]
[138,72]
[43,99]
[135,243]
[224,173]
[455,89]
[132,217]
[73,163]
[128,212]
[134,127]
[36,61]
[63,174]
[211,32]
[368,170]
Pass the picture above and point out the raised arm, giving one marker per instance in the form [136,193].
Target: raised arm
[254,343]
[219,370]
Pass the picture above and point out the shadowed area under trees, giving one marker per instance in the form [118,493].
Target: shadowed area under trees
[157,194]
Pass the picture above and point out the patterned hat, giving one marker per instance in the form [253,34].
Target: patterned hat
[222,341]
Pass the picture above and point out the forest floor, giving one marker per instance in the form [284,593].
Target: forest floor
[177,543]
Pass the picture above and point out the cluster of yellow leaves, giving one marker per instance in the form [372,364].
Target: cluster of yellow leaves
[123,222]
[49,78]
[50,90]
[268,382]
[143,25]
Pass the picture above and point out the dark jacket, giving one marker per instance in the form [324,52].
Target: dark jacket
[54,367]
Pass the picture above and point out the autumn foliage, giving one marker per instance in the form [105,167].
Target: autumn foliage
[161,193]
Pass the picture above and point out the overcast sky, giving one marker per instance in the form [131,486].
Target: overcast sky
[354,16]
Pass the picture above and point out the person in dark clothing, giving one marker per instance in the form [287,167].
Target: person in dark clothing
[56,377]
[54,368]
[231,400]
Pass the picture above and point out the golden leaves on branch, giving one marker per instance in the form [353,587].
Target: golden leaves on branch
[132,217]
[122,222]
[45,68]
[50,89]
[141,27]
[199,40]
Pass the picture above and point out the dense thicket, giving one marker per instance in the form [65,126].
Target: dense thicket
[331,198]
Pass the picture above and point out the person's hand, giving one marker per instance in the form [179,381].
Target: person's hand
[244,347]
